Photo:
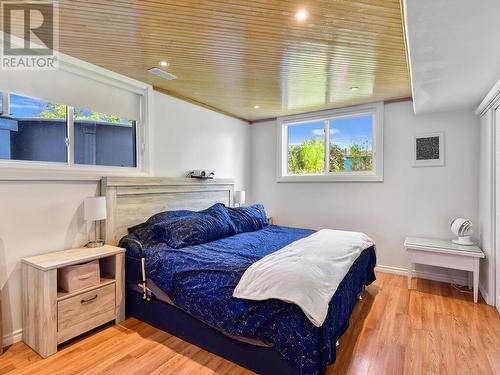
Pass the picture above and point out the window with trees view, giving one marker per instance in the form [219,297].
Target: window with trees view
[37,130]
[337,145]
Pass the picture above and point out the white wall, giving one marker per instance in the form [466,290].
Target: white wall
[410,201]
[35,217]
[187,137]
[39,217]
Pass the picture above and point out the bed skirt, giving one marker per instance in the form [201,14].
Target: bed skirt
[171,319]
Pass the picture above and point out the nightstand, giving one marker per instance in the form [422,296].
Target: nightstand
[447,254]
[51,317]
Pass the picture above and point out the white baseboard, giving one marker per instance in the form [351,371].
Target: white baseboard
[486,296]
[435,276]
[12,338]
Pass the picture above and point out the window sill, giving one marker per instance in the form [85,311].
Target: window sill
[338,177]
[26,171]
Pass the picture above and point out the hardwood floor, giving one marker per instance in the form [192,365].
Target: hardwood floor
[433,329]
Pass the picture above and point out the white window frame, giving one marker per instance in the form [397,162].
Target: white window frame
[375,175]
[39,170]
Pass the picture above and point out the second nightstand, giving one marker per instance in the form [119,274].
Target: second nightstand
[51,317]
[447,254]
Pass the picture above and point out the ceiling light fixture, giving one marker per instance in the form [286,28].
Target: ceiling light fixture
[164,64]
[256,106]
[354,88]
[301,15]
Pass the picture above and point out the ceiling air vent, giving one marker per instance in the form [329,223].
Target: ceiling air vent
[163,74]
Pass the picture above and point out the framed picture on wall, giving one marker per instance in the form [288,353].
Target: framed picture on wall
[428,150]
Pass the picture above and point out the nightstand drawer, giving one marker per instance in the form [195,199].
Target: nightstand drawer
[85,311]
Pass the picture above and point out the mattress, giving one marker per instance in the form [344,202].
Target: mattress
[200,281]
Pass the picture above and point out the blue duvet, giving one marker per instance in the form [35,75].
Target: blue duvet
[200,280]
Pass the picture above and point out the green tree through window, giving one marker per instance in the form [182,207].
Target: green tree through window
[53,111]
[58,111]
[308,157]
[337,158]
[361,158]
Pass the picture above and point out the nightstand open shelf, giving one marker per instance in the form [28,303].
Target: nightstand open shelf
[52,316]
[105,280]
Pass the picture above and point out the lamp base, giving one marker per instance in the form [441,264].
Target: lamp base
[93,244]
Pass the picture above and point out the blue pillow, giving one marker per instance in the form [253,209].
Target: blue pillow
[248,219]
[144,232]
[196,228]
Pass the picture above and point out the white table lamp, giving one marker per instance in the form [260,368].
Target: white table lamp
[239,198]
[94,210]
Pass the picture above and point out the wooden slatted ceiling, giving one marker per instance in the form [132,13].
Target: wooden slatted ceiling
[235,54]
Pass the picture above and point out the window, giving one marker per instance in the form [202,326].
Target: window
[32,132]
[36,130]
[351,143]
[4,134]
[336,145]
[102,139]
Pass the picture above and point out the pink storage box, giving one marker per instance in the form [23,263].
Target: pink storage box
[80,276]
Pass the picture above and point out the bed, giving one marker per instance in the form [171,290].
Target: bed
[190,291]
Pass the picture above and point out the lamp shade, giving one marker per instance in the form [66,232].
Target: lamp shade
[239,197]
[94,208]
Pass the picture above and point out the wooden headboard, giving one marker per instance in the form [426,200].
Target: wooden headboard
[132,200]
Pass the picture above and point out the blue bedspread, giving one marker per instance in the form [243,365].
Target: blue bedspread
[200,280]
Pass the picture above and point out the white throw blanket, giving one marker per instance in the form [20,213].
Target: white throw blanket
[306,272]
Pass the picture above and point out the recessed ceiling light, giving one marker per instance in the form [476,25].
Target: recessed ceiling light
[163,63]
[301,15]
[354,88]
[256,106]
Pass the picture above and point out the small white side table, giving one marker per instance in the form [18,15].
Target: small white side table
[446,254]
